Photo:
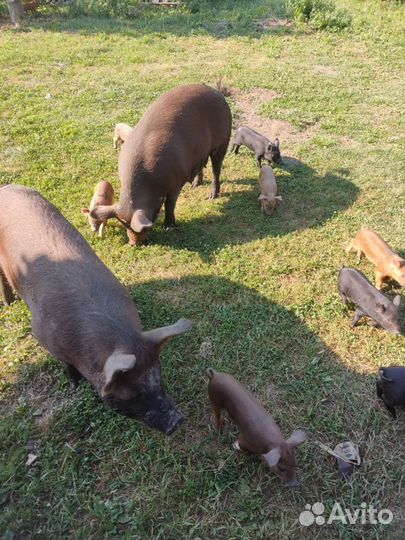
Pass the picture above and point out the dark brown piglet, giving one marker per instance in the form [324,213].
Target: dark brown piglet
[391,387]
[258,432]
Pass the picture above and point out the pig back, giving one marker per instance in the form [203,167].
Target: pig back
[171,143]
[77,304]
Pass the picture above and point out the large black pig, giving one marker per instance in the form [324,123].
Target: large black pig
[167,148]
[80,312]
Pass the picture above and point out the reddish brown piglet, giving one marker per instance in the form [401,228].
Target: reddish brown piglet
[103,194]
[388,265]
[258,432]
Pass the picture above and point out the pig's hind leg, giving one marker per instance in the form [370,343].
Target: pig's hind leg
[217,158]
[5,290]
[218,420]
[343,297]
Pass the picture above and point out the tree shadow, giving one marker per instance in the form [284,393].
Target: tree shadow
[218,19]
[299,379]
[309,201]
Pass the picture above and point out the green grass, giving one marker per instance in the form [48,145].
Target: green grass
[260,290]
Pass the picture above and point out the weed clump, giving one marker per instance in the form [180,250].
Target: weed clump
[319,14]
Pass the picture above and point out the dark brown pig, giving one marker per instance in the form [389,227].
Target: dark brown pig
[103,194]
[169,146]
[258,432]
[80,312]
[388,265]
[391,387]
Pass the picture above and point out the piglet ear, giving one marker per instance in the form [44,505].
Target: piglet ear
[104,212]
[159,336]
[140,221]
[398,263]
[85,211]
[278,197]
[263,197]
[297,437]
[115,364]
[277,143]
[397,301]
[273,457]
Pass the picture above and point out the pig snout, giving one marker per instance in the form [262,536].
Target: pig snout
[166,418]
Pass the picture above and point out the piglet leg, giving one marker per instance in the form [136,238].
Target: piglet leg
[218,420]
[357,316]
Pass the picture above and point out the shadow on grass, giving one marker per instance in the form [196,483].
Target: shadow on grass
[309,201]
[236,330]
[218,19]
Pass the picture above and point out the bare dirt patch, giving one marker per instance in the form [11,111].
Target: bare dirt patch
[249,103]
[273,24]
[326,70]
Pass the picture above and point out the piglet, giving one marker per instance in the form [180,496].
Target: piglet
[121,133]
[354,285]
[258,432]
[391,387]
[388,265]
[261,146]
[103,195]
[268,189]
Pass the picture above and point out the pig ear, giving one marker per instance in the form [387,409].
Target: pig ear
[297,437]
[380,307]
[279,198]
[273,457]
[398,263]
[115,364]
[277,143]
[397,301]
[85,211]
[104,212]
[160,335]
[139,221]
[263,197]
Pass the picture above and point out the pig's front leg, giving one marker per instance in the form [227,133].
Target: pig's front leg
[198,180]
[357,316]
[73,375]
[390,408]
[259,161]
[170,204]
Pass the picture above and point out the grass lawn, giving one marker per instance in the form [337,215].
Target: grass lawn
[261,291]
